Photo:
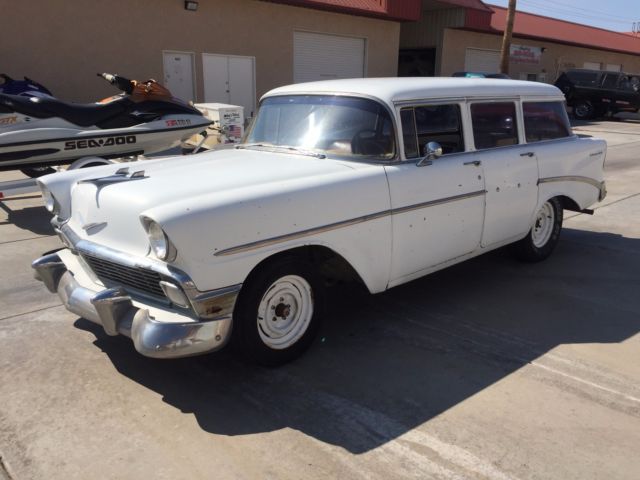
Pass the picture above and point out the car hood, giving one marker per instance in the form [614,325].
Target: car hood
[107,209]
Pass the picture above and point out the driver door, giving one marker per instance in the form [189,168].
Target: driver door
[437,208]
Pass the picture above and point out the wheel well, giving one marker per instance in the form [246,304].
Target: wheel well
[568,203]
[331,266]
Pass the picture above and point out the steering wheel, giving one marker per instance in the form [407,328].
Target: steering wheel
[366,146]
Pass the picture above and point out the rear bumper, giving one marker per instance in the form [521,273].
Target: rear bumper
[118,313]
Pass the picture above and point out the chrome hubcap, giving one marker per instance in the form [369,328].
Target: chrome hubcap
[543,225]
[285,312]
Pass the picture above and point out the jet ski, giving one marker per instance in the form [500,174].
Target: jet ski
[37,132]
[26,87]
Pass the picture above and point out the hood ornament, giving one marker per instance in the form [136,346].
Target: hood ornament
[121,175]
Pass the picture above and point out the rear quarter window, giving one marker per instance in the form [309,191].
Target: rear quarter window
[545,121]
[583,79]
[494,124]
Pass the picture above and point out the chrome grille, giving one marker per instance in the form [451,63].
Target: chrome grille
[141,279]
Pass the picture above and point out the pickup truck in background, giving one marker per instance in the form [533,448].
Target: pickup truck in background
[593,93]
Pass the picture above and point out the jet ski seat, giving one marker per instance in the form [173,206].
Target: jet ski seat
[84,115]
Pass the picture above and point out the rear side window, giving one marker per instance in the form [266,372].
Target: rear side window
[494,124]
[545,121]
[610,80]
[584,79]
[432,123]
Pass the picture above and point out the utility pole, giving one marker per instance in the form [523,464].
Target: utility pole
[506,39]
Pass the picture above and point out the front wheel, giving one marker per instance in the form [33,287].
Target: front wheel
[278,311]
[544,234]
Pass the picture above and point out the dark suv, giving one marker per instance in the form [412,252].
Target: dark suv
[594,93]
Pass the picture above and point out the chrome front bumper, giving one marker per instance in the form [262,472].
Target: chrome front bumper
[114,309]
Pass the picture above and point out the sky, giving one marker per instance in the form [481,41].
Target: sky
[617,15]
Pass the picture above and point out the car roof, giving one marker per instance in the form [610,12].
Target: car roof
[399,89]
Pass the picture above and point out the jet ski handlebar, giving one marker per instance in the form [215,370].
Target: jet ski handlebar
[119,82]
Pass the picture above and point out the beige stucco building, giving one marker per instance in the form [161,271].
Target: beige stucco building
[233,51]
[223,47]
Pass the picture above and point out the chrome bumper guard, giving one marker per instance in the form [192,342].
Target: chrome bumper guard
[603,191]
[114,310]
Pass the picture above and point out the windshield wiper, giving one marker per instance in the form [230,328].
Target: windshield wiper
[295,150]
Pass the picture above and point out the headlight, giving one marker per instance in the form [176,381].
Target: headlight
[160,244]
[50,202]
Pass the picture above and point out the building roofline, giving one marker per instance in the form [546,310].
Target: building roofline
[544,39]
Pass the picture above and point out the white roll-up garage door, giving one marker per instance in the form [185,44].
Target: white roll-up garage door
[318,56]
[478,60]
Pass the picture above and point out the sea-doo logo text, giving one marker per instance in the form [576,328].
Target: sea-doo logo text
[99,142]
[178,122]
[8,120]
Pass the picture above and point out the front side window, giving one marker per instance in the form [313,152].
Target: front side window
[339,126]
[432,123]
[494,124]
[545,121]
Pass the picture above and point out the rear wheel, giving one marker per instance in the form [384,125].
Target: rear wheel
[544,234]
[278,311]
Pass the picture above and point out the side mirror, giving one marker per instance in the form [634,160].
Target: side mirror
[432,151]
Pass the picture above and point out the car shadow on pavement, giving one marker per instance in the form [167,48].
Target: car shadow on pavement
[35,219]
[385,364]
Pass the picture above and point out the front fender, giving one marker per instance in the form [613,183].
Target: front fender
[221,237]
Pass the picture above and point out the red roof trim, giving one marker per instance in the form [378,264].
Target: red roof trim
[396,10]
[531,25]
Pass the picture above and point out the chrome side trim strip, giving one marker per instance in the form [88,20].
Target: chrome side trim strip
[572,178]
[440,201]
[344,223]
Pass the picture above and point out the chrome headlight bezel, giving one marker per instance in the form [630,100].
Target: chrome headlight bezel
[159,241]
[50,201]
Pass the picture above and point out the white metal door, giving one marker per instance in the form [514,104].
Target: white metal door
[438,212]
[215,71]
[178,74]
[230,79]
[478,60]
[318,56]
[242,89]
[511,179]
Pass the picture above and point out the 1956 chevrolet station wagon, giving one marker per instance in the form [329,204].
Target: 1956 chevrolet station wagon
[388,179]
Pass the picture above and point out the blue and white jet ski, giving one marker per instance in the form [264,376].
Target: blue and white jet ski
[37,132]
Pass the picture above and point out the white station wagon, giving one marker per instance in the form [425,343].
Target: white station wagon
[384,179]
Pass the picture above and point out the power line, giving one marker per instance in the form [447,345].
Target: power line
[554,11]
[580,10]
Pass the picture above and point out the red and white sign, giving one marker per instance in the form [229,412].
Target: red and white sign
[525,54]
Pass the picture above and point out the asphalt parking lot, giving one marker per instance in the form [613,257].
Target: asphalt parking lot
[490,369]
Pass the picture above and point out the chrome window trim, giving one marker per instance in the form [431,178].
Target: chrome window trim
[396,157]
[461,104]
[517,103]
[343,223]
[524,129]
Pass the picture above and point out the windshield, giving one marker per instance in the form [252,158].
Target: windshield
[331,125]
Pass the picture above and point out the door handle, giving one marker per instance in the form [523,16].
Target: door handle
[477,163]
[527,154]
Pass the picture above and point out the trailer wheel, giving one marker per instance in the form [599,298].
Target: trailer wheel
[35,172]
